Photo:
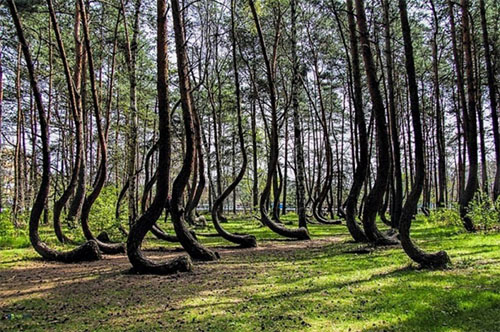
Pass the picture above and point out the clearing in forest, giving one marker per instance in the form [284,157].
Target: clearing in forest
[281,285]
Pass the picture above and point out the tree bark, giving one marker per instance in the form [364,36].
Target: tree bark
[78,75]
[297,126]
[139,230]
[492,89]
[1,117]
[76,112]
[359,117]
[469,114]
[439,118]
[195,249]
[88,251]
[243,240]
[375,197]
[301,233]
[439,259]
[397,199]
[132,144]
[108,248]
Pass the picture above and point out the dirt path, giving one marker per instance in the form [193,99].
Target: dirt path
[55,292]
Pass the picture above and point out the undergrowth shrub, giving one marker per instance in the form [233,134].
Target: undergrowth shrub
[445,216]
[485,212]
[102,214]
[10,236]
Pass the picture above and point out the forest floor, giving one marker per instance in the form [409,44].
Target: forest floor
[280,286]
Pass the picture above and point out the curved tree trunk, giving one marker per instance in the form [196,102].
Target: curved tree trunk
[195,249]
[148,182]
[439,259]
[121,196]
[162,235]
[317,206]
[244,241]
[76,113]
[86,252]
[359,118]
[301,233]
[148,219]
[199,180]
[75,208]
[376,195]
[108,248]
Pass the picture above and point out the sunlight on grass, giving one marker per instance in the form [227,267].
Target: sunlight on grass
[280,286]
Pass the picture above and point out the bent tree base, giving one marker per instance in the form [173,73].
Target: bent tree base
[440,259]
[300,233]
[244,240]
[140,263]
[88,251]
[162,235]
[436,260]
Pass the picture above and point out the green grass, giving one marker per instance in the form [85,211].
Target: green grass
[310,287]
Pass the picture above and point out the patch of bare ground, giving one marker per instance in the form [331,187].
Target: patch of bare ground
[55,292]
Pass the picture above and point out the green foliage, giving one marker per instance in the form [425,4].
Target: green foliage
[445,217]
[10,236]
[102,214]
[484,212]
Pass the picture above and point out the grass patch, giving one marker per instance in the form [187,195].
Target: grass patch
[280,286]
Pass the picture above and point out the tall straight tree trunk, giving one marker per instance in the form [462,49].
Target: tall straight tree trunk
[255,168]
[469,114]
[439,259]
[439,116]
[493,97]
[297,125]
[18,203]
[376,195]
[285,166]
[480,121]
[132,145]
[462,105]
[397,199]
[1,117]
[479,113]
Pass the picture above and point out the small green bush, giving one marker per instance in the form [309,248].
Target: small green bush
[484,212]
[102,214]
[446,216]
